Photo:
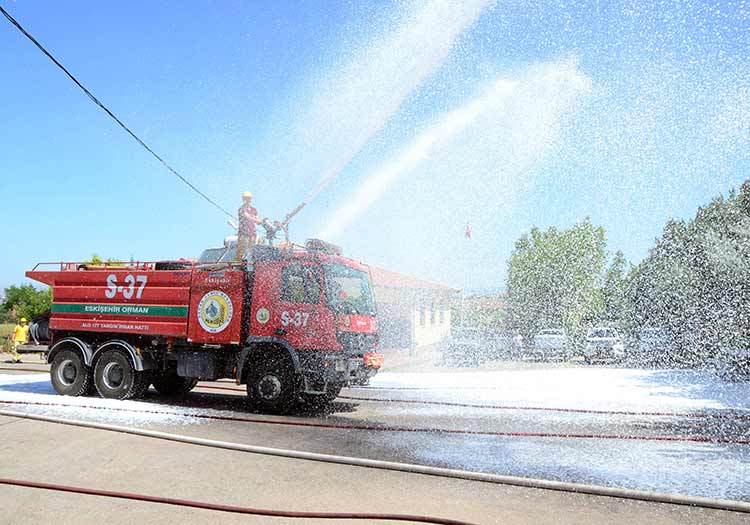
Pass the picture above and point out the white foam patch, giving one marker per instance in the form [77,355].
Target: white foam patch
[587,388]
[37,388]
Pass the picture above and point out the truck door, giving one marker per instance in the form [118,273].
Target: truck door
[216,300]
[288,303]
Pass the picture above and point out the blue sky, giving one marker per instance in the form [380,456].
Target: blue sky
[622,111]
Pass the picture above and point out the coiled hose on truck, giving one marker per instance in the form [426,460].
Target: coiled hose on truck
[39,330]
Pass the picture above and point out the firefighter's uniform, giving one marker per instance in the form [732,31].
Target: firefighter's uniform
[19,336]
[248,218]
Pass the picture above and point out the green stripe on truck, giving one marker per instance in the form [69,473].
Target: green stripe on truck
[120,309]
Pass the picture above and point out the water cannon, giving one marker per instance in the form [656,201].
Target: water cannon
[272,229]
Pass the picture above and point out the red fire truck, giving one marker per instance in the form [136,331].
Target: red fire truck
[293,323]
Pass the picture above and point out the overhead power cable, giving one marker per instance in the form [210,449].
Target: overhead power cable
[112,115]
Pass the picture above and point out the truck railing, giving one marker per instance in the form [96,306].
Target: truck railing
[69,266]
[285,250]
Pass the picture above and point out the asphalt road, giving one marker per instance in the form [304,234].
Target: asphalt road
[690,405]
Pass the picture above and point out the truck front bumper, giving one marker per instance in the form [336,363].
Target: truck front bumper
[322,373]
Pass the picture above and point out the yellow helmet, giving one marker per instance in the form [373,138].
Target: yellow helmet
[247,194]
[23,319]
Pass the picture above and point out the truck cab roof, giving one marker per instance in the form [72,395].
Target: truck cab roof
[319,250]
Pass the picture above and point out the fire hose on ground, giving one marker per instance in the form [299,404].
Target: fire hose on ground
[526,407]
[232,508]
[709,415]
[390,428]
[674,499]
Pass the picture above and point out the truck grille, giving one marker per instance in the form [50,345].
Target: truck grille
[357,344]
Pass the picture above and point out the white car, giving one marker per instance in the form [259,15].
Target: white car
[550,343]
[603,345]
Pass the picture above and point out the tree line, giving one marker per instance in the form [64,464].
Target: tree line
[24,300]
[694,284]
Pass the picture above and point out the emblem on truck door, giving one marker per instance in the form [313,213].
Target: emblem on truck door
[263,315]
[215,311]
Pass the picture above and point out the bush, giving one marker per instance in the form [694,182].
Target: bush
[25,301]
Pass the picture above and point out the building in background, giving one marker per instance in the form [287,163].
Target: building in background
[412,312]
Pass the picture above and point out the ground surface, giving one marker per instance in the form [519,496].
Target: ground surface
[30,450]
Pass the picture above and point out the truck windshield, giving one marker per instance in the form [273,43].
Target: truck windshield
[348,290]
[211,255]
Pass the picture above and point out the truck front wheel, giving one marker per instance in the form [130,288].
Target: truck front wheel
[271,387]
[333,392]
[116,377]
[70,375]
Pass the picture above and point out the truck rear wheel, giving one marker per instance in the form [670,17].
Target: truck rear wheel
[144,382]
[170,384]
[69,374]
[116,377]
[271,387]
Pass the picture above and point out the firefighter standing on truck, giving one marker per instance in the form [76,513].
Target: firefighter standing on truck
[248,219]
[18,337]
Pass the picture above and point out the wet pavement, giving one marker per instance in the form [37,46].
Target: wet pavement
[549,441]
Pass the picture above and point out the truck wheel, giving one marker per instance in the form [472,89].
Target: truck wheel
[271,387]
[115,376]
[144,382]
[332,393]
[170,384]
[70,375]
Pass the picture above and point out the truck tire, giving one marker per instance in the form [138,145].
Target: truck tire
[271,387]
[116,377]
[333,392]
[69,374]
[170,384]
[144,382]
[319,401]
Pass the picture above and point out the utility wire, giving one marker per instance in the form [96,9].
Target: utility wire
[108,112]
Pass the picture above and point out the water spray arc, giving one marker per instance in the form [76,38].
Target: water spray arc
[375,86]
[486,146]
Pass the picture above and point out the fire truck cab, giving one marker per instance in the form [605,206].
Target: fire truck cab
[293,323]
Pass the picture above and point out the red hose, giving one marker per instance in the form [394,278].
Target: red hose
[233,508]
[547,409]
[494,407]
[385,428]
[526,407]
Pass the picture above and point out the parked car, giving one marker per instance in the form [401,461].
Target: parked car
[603,345]
[549,344]
[464,348]
[497,345]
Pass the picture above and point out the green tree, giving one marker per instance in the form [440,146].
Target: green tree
[26,301]
[555,279]
[695,282]
[614,290]
[480,311]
